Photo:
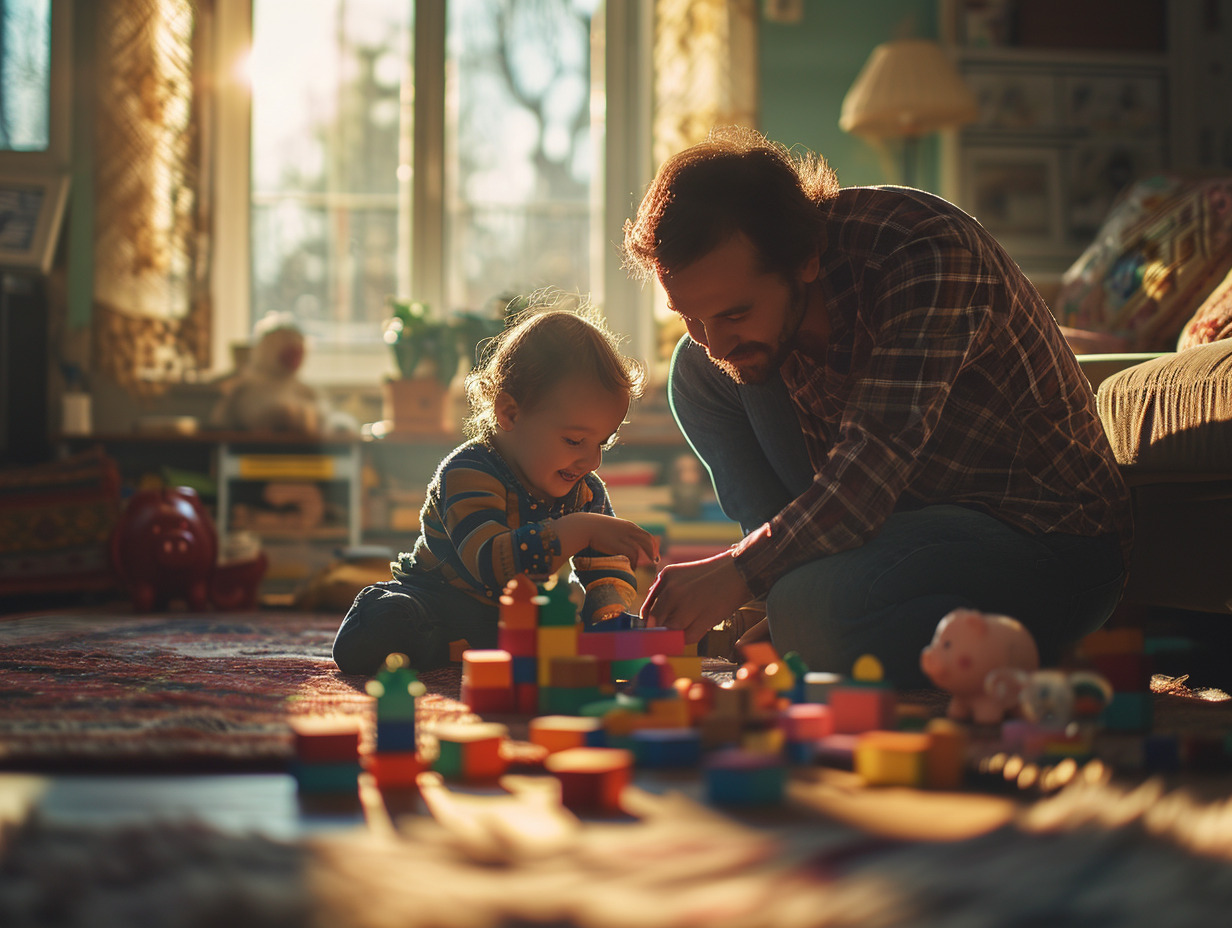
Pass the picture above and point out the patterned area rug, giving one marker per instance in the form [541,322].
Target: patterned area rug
[185,691]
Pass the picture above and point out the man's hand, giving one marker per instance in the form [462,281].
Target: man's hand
[607,534]
[696,596]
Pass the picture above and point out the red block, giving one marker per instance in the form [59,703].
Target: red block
[857,709]
[326,740]
[1127,673]
[483,699]
[600,644]
[520,642]
[526,698]
[394,769]
[591,779]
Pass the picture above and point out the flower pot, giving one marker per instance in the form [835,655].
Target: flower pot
[418,406]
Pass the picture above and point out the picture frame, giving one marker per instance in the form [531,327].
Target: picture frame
[1014,100]
[1015,193]
[31,212]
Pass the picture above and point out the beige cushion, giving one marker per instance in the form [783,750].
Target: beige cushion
[1212,321]
[1173,413]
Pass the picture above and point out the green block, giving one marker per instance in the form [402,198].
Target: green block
[555,606]
[450,763]
[1128,712]
[627,668]
[559,700]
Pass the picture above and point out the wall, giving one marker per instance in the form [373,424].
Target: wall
[806,68]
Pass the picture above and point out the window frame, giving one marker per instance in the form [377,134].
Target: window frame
[628,30]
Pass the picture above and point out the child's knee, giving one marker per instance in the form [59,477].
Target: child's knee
[384,619]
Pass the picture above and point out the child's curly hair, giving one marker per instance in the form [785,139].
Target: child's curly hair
[539,348]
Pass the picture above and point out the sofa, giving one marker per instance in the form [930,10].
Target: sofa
[1148,310]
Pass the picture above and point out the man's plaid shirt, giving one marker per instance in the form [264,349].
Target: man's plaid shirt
[945,380]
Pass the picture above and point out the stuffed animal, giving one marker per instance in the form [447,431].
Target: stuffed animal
[267,395]
[977,657]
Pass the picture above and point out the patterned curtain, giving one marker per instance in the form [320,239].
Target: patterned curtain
[705,66]
[152,224]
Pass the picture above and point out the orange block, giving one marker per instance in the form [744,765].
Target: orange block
[394,769]
[561,732]
[488,668]
[947,754]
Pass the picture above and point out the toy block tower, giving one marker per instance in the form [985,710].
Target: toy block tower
[518,634]
[394,761]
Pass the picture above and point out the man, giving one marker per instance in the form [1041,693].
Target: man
[886,406]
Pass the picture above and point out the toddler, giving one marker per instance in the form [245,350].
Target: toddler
[520,496]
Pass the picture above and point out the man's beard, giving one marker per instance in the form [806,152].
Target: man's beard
[754,362]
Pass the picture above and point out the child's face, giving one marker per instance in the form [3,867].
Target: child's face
[557,442]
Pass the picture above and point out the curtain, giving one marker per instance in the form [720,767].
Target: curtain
[152,224]
[705,67]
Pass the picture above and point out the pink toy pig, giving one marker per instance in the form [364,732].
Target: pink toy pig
[977,657]
[164,548]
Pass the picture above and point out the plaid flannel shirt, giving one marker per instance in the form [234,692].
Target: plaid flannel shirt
[945,380]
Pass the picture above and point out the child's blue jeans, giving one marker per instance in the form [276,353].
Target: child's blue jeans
[886,597]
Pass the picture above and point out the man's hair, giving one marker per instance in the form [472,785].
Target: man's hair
[539,349]
[737,181]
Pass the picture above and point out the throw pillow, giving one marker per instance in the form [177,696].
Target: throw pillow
[1212,321]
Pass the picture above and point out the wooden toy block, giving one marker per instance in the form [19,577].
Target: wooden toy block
[688,666]
[395,735]
[947,755]
[720,731]
[340,778]
[818,683]
[395,688]
[658,640]
[518,615]
[911,718]
[857,707]
[666,747]
[556,609]
[526,697]
[892,758]
[779,679]
[574,671]
[670,711]
[562,700]
[325,739]
[627,668]
[1113,641]
[591,779]
[742,778]
[520,642]
[655,678]
[561,732]
[806,721]
[488,668]
[525,670]
[837,750]
[517,608]
[733,700]
[394,770]
[486,699]
[599,644]
[762,736]
[469,751]
[554,641]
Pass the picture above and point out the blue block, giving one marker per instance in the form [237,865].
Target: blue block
[526,670]
[800,753]
[667,747]
[741,778]
[395,735]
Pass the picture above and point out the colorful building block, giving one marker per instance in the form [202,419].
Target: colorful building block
[947,754]
[734,777]
[666,747]
[469,750]
[561,732]
[488,668]
[892,758]
[591,779]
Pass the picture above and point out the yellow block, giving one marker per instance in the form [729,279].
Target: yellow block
[286,467]
[554,641]
[687,666]
[892,758]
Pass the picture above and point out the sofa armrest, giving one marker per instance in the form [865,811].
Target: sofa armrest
[1099,367]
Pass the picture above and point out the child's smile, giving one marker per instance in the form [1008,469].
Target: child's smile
[559,440]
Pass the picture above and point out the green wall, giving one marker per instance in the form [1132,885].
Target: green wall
[806,68]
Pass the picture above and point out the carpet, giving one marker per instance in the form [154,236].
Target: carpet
[1093,854]
[173,691]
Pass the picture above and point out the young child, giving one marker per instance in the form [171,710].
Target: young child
[520,496]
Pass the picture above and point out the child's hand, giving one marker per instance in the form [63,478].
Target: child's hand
[608,534]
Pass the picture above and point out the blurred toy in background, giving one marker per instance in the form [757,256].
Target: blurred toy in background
[266,395]
[165,549]
[1054,698]
[977,658]
[238,574]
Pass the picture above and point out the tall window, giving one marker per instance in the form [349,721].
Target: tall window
[25,75]
[504,180]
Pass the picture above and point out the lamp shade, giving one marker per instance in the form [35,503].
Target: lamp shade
[907,88]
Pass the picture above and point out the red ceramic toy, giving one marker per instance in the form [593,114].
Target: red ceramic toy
[165,548]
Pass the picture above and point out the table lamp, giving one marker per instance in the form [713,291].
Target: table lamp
[908,88]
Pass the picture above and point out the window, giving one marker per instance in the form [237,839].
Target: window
[450,152]
[34,104]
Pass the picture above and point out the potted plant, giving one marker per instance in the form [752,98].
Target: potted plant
[428,351]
